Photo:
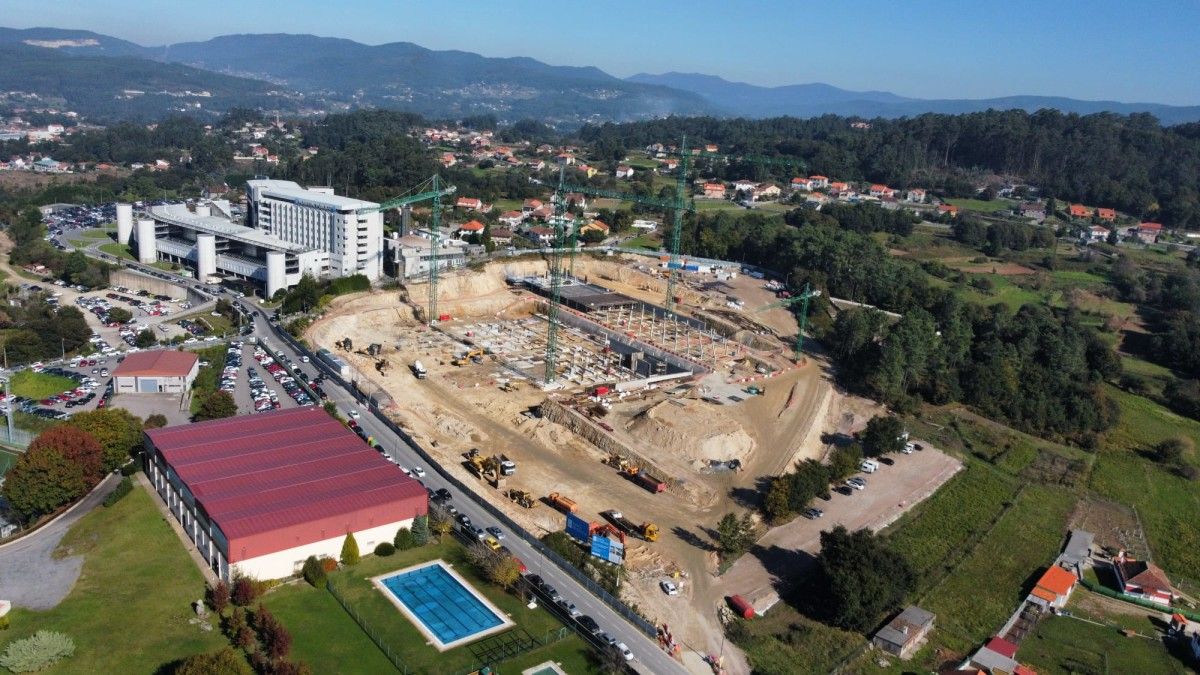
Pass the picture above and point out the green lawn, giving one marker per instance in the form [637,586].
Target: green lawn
[128,612]
[118,250]
[328,639]
[1069,645]
[96,234]
[7,459]
[218,325]
[981,206]
[786,641]
[645,241]
[39,385]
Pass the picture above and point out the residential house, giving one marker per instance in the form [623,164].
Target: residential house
[541,235]
[542,213]
[1079,211]
[801,184]
[766,191]
[259,152]
[1143,579]
[817,199]
[577,200]
[819,181]
[448,159]
[916,195]
[714,191]
[997,656]
[473,227]
[587,170]
[469,203]
[1034,210]
[668,165]
[502,237]
[530,205]
[544,149]
[904,634]
[536,164]
[48,165]
[512,218]
[595,226]
[711,147]
[624,171]
[948,208]
[878,190]
[271,159]
[746,186]
[647,225]
[1096,233]
[1078,550]
[836,186]
[1148,232]
[1107,215]
[1054,588]
[565,158]
[215,191]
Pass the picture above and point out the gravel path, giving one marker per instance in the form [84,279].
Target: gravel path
[30,577]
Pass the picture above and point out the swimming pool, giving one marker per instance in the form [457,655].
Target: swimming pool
[442,604]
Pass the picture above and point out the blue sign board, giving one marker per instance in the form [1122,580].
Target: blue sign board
[578,527]
[608,550]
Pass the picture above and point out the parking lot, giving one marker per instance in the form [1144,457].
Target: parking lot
[93,388]
[257,382]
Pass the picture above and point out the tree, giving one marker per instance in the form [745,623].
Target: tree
[313,572]
[223,662]
[735,534]
[844,463]
[245,591]
[218,597]
[331,409]
[858,580]
[404,539]
[77,446]
[216,405]
[420,530]
[883,435]
[145,339]
[504,571]
[120,315]
[155,421]
[777,504]
[440,522]
[350,554]
[118,431]
[41,481]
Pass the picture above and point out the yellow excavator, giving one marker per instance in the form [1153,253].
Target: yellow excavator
[473,356]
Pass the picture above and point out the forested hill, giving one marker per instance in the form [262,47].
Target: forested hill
[1130,162]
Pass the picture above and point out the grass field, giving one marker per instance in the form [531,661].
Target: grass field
[219,325]
[7,459]
[39,385]
[128,611]
[329,640]
[118,250]
[785,641]
[96,234]
[981,206]
[645,241]
[1069,645]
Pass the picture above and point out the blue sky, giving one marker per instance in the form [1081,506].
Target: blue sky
[1145,51]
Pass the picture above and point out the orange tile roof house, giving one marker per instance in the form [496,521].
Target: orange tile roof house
[161,371]
[473,203]
[1079,211]
[473,227]
[1106,214]
[1054,588]
[714,190]
[1143,579]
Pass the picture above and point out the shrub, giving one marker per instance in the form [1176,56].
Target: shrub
[123,488]
[218,597]
[384,549]
[155,421]
[4,622]
[350,553]
[328,564]
[225,662]
[245,591]
[37,652]
[314,572]
[132,467]
[404,539]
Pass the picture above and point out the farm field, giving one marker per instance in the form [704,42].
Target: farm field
[981,205]
[1070,645]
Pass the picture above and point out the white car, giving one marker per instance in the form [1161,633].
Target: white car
[353,414]
[908,448]
[625,653]
[669,587]
[419,471]
[305,359]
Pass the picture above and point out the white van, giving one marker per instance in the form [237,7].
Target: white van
[869,466]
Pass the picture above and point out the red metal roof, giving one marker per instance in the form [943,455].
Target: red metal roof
[286,478]
[157,363]
[1003,647]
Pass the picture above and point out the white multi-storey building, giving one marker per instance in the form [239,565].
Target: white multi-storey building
[317,218]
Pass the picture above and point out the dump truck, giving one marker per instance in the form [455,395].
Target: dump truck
[521,497]
[507,466]
[418,370]
[564,504]
[646,531]
[645,480]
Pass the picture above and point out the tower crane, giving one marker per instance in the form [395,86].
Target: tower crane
[435,193]
[803,297]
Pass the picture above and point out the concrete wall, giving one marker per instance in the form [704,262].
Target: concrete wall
[276,272]
[142,282]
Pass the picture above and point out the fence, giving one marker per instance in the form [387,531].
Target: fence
[366,628]
[19,438]
[575,573]
[1105,590]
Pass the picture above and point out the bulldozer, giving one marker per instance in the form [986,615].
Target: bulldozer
[510,385]
[521,497]
[477,464]
[473,356]
[382,366]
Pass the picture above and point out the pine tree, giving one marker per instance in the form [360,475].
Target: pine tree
[420,530]
[350,554]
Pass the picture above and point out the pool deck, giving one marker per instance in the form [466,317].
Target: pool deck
[505,622]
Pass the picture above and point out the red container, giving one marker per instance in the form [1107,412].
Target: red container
[741,606]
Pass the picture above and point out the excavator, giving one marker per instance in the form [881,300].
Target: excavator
[521,497]
[473,356]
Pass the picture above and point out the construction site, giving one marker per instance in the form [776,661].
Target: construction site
[660,416]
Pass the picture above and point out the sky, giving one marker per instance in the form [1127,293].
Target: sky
[1146,51]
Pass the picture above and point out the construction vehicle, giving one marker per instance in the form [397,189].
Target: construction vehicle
[477,465]
[346,344]
[755,391]
[510,385]
[645,480]
[374,349]
[521,497]
[647,531]
[507,466]
[606,530]
[418,370]
[564,504]
[382,366]
[473,356]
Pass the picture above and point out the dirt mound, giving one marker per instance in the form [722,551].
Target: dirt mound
[694,431]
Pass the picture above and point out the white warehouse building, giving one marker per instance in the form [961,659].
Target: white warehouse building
[345,228]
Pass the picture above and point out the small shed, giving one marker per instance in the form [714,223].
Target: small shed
[904,634]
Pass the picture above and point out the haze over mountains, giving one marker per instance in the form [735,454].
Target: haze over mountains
[309,73]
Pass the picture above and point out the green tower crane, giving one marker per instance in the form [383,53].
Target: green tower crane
[803,297]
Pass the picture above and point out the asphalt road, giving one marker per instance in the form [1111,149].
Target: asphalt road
[649,657]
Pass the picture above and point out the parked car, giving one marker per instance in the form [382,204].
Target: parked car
[856,483]
[813,513]
[669,587]
[495,532]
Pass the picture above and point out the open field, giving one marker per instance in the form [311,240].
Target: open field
[118,250]
[785,641]
[1070,645]
[39,385]
[645,241]
[328,639]
[129,610]
[982,206]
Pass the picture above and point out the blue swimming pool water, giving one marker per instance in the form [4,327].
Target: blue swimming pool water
[447,608]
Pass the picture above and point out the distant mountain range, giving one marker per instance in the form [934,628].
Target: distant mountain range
[293,73]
